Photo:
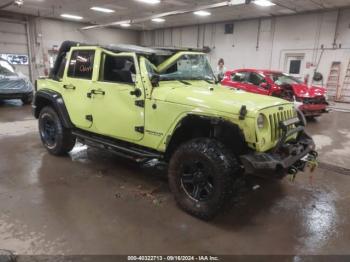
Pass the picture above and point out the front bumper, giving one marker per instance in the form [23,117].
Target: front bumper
[285,158]
[15,95]
[313,109]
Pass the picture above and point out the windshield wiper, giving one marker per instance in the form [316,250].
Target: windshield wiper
[184,82]
[208,81]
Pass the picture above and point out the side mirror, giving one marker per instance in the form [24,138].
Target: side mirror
[265,85]
[155,80]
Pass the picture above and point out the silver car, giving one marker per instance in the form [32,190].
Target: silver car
[14,85]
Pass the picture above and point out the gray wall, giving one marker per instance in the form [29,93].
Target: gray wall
[47,33]
[13,40]
[279,37]
[43,34]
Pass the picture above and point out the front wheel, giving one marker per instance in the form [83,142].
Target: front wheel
[201,176]
[311,118]
[27,100]
[57,139]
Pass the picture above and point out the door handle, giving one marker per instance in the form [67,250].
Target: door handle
[96,92]
[137,92]
[70,87]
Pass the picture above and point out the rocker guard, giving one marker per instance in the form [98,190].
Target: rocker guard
[284,156]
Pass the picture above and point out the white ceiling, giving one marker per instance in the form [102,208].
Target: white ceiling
[133,9]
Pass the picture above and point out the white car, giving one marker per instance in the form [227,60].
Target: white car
[14,85]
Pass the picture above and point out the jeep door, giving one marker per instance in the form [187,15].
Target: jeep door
[76,84]
[118,97]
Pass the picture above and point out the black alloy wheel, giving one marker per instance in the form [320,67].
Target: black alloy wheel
[197,181]
[49,131]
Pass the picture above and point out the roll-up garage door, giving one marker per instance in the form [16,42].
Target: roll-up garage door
[14,44]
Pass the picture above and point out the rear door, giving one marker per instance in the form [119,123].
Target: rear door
[77,82]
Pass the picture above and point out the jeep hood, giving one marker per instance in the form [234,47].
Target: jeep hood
[302,90]
[205,96]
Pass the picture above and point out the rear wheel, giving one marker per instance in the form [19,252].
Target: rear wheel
[57,139]
[201,176]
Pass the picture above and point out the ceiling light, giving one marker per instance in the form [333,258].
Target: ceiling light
[158,20]
[18,3]
[75,17]
[263,3]
[237,2]
[101,9]
[125,25]
[202,13]
[151,2]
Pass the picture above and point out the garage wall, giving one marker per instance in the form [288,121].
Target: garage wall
[270,46]
[13,40]
[48,34]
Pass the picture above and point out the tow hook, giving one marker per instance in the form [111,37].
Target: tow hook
[292,171]
[309,161]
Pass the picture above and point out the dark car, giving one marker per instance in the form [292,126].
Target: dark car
[14,85]
[313,100]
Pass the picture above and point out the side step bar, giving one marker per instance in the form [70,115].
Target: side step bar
[121,148]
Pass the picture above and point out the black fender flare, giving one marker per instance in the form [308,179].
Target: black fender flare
[211,120]
[46,97]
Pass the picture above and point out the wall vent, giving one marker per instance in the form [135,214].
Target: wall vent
[229,28]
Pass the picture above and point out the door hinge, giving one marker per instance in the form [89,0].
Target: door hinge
[140,129]
[89,118]
[140,103]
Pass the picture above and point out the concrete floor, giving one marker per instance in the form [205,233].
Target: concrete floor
[95,203]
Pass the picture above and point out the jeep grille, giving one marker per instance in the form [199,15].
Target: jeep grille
[276,118]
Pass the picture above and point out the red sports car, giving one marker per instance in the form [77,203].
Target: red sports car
[313,100]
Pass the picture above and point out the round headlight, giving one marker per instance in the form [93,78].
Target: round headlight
[261,121]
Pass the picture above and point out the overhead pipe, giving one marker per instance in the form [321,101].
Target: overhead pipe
[336,30]
[258,35]
[7,4]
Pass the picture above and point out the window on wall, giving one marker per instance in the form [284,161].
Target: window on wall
[81,64]
[15,59]
[117,69]
[294,67]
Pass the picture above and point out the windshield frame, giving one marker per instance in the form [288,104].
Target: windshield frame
[279,74]
[175,58]
[5,71]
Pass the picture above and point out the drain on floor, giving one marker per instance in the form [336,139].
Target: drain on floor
[336,169]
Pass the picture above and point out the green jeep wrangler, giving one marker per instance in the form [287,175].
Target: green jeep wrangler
[165,104]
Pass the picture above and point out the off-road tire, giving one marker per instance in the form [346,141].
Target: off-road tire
[301,117]
[61,141]
[224,169]
[311,118]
